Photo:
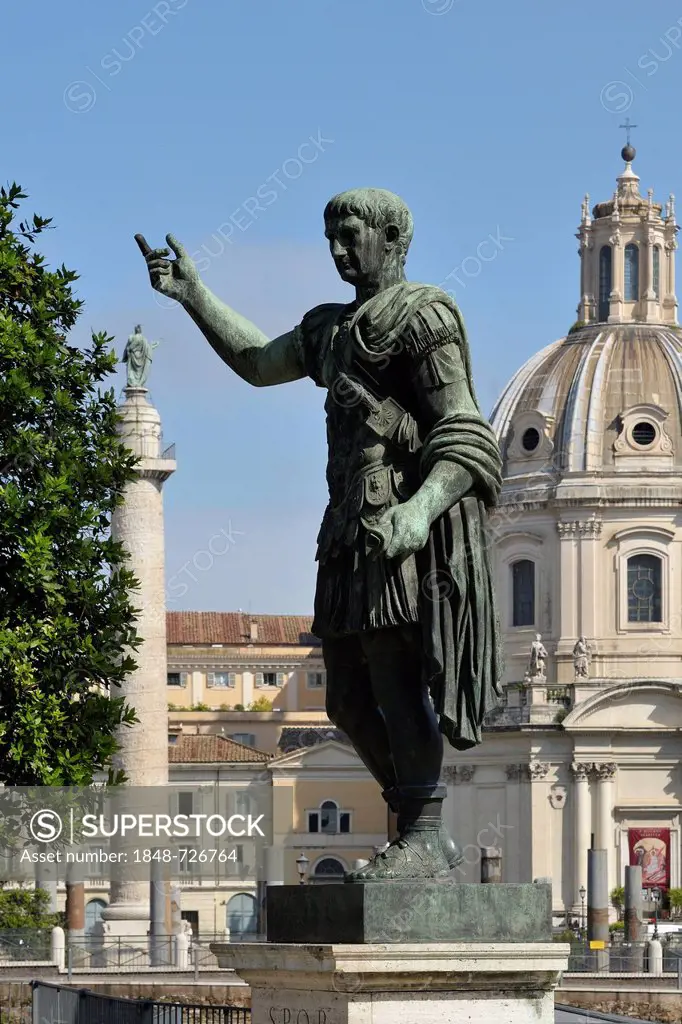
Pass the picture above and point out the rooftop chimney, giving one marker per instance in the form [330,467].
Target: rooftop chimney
[254,631]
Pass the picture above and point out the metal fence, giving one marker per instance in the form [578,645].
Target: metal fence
[57,1004]
[138,952]
[25,944]
[625,959]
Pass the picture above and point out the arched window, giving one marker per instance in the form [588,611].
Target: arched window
[93,914]
[329,869]
[604,281]
[631,281]
[523,593]
[644,589]
[656,284]
[329,819]
[242,915]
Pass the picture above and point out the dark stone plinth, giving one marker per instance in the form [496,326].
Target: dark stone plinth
[409,912]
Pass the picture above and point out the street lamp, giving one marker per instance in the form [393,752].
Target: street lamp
[582,891]
[302,865]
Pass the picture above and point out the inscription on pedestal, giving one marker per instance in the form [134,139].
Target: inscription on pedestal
[271,1005]
[292,1015]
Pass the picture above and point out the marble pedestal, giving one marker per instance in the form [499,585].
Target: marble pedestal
[423,983]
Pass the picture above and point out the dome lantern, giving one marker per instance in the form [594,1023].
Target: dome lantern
[627,255]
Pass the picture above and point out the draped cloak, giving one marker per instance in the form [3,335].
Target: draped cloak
[462,661]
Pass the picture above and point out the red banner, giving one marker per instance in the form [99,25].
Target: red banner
[650,848]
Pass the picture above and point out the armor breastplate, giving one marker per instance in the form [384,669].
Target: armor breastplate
[366,474]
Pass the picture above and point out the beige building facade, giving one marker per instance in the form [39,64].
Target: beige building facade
[227,661]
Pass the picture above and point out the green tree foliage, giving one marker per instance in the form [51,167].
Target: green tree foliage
[25,908]
[675,901]
[618,896]
[260,704]
[66,617]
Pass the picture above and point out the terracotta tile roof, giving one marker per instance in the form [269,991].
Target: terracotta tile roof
[235,628]
[211,749]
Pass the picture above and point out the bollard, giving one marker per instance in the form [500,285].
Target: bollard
[181,951]
[491,864]
[654,951]
[58,947]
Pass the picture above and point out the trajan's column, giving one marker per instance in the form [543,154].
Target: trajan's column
[138,525]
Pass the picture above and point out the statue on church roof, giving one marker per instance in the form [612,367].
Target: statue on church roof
[137,356]
[536,661]
[581,658]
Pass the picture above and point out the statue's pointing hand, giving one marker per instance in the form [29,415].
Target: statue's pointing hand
[174,278]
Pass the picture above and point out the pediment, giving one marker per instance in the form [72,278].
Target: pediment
[630,706]
[331,754]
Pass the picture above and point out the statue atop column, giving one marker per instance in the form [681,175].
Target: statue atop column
[581,658]
[404,603]
[137,356]
[536,662]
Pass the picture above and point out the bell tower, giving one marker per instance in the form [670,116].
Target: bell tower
[627,255]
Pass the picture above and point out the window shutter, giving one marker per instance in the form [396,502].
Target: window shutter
[259,678]
[344,822]
[280,678]
[313,821]
[210,679]
[183,678]
[232,679]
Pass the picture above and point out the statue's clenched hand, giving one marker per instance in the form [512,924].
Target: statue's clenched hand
[174,278]
[404,530]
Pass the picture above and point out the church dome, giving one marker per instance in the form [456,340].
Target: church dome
[606,398]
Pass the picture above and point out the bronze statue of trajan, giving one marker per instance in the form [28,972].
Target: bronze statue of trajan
[404,604]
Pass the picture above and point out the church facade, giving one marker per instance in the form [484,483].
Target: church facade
[585,745]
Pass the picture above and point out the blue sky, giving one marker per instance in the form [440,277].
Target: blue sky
[490,119]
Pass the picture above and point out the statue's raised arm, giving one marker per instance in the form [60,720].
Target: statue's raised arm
[237,341]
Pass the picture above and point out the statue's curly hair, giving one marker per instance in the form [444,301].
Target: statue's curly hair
[377,207]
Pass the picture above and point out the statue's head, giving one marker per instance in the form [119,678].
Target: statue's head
[369,232]
[538,636]
[138,328]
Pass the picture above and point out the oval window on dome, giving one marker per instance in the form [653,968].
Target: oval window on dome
[530,439]
[643,434]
